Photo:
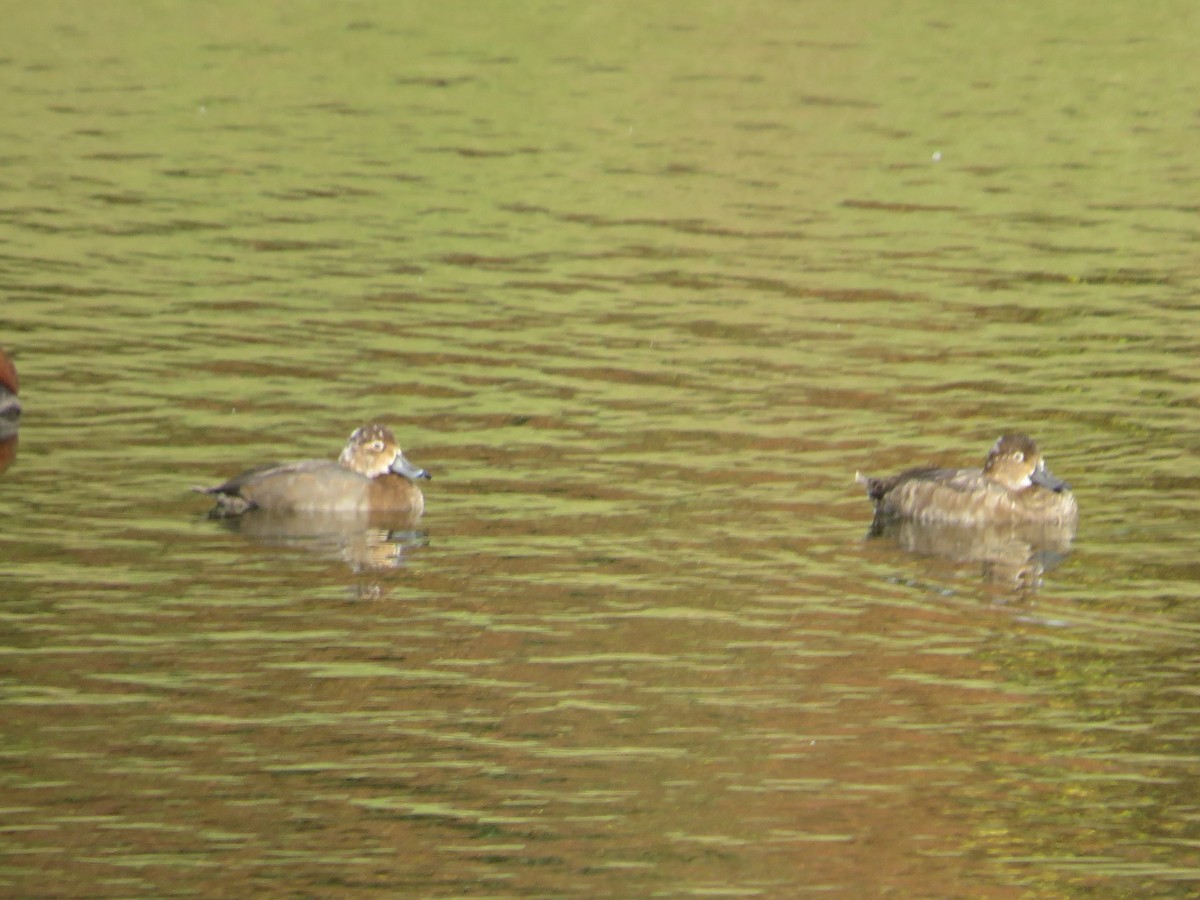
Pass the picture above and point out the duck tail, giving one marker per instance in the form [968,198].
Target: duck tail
[876,487]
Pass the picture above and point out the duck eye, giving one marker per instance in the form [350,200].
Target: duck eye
[377,446]
[1019,456]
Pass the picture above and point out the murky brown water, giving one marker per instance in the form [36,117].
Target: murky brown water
[643,288]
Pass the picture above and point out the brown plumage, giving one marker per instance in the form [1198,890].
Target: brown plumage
[371,476]
[10,406]
[1014,485]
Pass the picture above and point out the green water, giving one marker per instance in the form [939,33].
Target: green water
[643,287]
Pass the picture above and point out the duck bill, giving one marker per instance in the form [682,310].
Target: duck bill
[401,466]
[1045,478]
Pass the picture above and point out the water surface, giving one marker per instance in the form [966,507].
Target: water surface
[643,288]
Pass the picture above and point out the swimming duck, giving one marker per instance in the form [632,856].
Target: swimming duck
[1014,486]
[10,406]
[371,475]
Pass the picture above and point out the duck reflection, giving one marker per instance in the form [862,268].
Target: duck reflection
[8,444]
[1012,555]
[372,542]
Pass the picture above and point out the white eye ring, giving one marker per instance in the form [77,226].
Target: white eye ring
[377,446]
[1019,456]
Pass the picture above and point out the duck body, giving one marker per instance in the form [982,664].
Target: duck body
[371,476]
[1014,486]
[10,406]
